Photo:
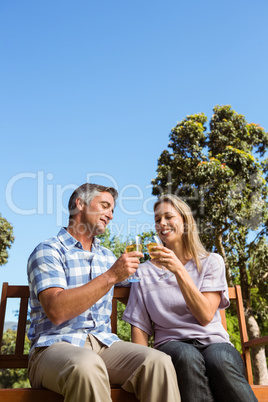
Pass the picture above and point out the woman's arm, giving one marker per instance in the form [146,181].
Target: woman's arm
[204,305]
[139,336]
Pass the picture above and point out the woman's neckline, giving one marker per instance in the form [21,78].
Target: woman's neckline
[156,266]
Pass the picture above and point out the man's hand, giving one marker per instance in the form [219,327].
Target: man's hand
[125,265]
[61,305]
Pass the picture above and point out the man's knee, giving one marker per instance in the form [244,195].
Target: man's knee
[157,357]
[84,375]
[86,366]
[154,360]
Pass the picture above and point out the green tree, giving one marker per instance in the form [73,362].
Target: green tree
[222,175]
[113,243]
[6,239]
[13,378]
[117,246]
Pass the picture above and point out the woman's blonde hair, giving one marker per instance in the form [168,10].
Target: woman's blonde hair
[190,238]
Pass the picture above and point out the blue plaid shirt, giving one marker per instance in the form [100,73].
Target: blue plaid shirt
[62,262]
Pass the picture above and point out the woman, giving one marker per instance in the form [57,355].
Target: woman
[183,309]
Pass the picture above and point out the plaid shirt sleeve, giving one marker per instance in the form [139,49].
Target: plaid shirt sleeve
[45,269]
[62,262]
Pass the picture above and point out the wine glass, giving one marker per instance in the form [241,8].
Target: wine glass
[134,245]
[150,246]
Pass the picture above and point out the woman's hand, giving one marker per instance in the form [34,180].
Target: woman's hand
[203,306]
[167,258]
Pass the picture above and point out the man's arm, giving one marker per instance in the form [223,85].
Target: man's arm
[61,305]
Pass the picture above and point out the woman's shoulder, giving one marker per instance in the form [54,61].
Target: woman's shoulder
[213,260]
[213,257]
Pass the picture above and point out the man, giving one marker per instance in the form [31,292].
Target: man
[71,279]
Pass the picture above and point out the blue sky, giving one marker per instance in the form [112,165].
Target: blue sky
[90,91]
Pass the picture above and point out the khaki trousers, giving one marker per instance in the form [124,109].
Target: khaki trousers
[84,374]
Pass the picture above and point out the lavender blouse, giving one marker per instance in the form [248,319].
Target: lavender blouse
[158,305]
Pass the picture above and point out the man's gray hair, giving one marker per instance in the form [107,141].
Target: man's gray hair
[87,192]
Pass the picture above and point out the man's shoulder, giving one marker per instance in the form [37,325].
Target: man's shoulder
[50,243]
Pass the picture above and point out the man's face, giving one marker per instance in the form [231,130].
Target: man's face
[96,216]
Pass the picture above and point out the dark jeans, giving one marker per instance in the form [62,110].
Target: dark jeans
[209,373]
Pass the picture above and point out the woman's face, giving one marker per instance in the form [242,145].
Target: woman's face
[169,223]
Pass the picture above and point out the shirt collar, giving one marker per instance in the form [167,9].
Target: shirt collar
[69,241]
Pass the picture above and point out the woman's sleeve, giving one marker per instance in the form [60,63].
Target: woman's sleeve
[215,279]
[136,313]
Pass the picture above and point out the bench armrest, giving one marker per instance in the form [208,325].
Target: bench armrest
[257,342]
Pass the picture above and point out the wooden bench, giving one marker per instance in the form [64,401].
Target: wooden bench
[20,360]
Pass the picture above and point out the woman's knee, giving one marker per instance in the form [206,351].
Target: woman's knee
[222,358]
[183,354]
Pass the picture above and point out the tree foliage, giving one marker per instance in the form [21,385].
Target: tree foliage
[114,243]
[222,174]
[13,378]
[6,239]
[117,246]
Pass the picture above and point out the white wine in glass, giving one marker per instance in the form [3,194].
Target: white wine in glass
[134,245]
[150,245]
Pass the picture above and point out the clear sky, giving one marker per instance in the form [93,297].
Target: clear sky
[90,90]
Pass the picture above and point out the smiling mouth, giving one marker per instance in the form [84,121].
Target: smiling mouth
[166,232]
